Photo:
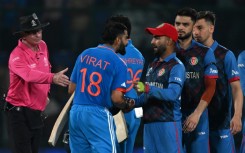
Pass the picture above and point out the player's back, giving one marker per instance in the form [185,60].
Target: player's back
[135,63]
[97,75]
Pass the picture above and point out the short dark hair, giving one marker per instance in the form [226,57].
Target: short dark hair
[121,19]
[190,12]
[207,15]
[112,31]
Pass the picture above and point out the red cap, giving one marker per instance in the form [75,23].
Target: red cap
[164,29]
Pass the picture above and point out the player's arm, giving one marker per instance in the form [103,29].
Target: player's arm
[71,88]
[120,101]
[192,120]
[170,93]
[236,123]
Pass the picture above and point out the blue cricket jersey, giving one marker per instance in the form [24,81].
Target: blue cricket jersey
[135,63]
[241,68]
[219,109]
[199,62]
[162,105]
[97,72]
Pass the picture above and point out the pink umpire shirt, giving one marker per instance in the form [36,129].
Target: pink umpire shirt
[30,76]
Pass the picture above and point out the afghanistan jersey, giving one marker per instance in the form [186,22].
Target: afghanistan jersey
[199,62]
[97,72]
[160,75]
[219,109]
[241,68]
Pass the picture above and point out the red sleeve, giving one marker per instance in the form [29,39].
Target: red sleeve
[210,86]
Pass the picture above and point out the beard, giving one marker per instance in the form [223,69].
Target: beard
[121,50]
[188,35]
[160,51]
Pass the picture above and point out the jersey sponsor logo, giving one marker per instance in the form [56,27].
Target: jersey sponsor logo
[240,65]
[161,72]
[177,79]
[149,71]
[193,61]
[223,136]
[192,75]
[234,72]
[156,84]
[90,60]
[213,71]
[201,133]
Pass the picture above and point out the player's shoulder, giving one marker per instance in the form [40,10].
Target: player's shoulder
[132,51]
[199,45]
[242,54]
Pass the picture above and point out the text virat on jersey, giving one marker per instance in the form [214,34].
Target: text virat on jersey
[90,60]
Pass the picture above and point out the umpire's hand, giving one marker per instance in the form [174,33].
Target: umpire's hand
[61,79]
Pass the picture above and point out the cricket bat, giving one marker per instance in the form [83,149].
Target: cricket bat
[60,122]
[121,126]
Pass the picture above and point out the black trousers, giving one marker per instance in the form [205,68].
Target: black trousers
[22,137]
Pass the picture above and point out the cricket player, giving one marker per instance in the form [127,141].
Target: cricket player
[161,94]
[99,81]
[228,88]
[200,84]
[135,63]
[241,68]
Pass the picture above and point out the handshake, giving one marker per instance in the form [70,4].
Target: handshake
[141,87]
[128,105]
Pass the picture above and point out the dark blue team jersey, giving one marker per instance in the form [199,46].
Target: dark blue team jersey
[199,62]
[159,76]
[97,72]
[219,108]
[135,63]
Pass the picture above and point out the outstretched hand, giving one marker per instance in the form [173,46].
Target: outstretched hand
[61,79]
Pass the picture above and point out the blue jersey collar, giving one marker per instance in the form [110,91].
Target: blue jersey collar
[193,42]
[214,45]
[168,58]
[106,47]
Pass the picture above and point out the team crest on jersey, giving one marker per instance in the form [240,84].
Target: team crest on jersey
[161,72]
[193,61]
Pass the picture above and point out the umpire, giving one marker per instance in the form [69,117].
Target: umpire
[30,79]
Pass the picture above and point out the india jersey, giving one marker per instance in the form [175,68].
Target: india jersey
[199,62]
[97,72]
[241,68]
[135,63]
[219,109]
